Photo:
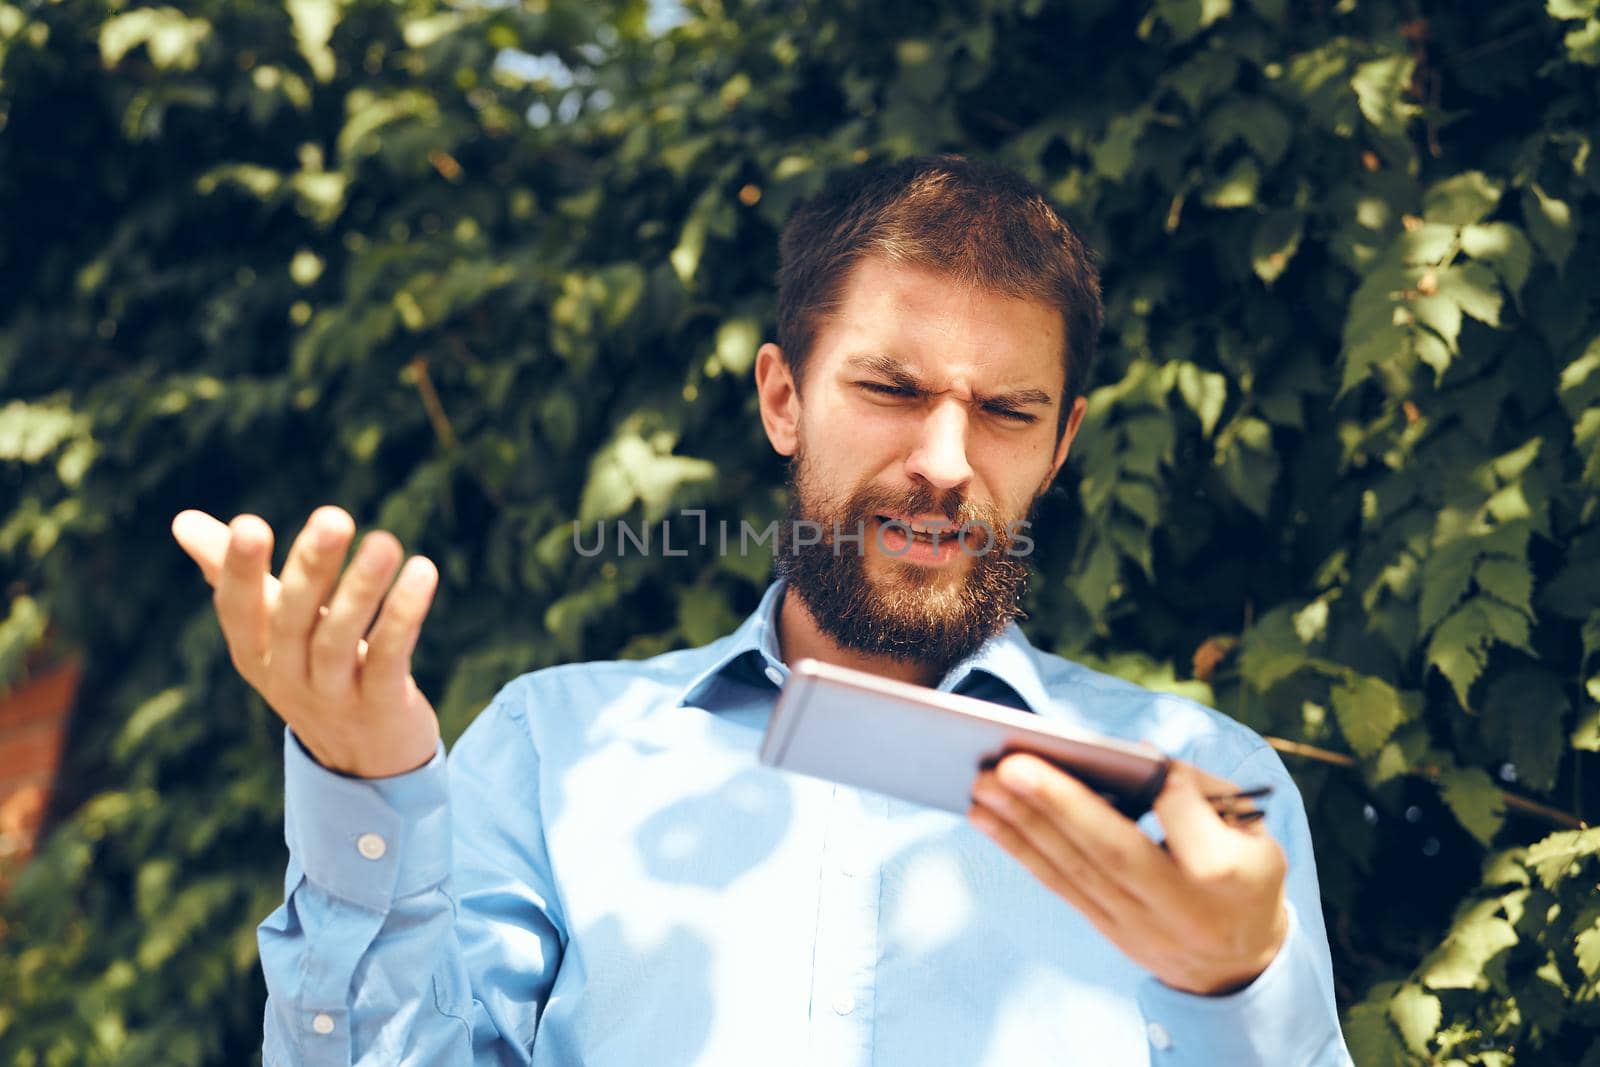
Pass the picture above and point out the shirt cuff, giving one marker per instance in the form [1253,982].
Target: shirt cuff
[369,841]
[1265,1024]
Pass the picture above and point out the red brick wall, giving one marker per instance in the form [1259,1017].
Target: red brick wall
[33,722]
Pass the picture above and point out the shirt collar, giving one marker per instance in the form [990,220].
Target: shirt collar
[755,638]
[1008,657]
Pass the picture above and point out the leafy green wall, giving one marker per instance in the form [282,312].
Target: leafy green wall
[1338,475]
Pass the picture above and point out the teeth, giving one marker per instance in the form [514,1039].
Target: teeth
[928,528]
[927,531]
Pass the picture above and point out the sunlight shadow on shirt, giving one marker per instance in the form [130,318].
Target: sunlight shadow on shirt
[713,837]
[635,998]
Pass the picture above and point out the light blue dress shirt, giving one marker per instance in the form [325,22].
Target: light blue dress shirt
[602,873]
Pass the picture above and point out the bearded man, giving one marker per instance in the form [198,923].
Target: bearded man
[603,873]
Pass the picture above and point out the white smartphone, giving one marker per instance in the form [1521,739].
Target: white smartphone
[928,746]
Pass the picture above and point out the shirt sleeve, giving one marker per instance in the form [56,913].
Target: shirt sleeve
[1288,1015]
[402,897]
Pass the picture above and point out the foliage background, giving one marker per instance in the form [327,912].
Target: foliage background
[1338,478]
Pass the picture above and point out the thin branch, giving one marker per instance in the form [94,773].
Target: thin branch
[1312,752]
[1342,759]
[1504,41]
[430,402]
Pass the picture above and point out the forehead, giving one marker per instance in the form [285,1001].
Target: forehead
[927,319]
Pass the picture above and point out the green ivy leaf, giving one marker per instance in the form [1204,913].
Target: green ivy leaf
[1113,155]
[1550,224]
[1188,17]
[1459,647]
[1474,289]
[1254,120]
[1235,188]
[1507,580]
[1248,462]
[1461,199]
[1204,392]
[31,432]
[1370,1034]
[171,39]
[1586,735]
[1446,579]
[1524,713]
[1476,939]
[1369,710]
[1579,386]
[21,632]
[1557,855]
[1381,90]
[1276,239]
[704,614]
[1442,315]
[1474,800]
[1504,247]
[737,341]
[1271,650]
[1587,946]
[1417,1013]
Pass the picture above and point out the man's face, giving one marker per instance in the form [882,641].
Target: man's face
[924,402]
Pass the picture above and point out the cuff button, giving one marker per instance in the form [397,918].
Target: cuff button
[371,846]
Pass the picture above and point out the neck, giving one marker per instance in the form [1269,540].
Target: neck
[800,637]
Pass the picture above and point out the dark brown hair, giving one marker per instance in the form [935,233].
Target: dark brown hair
[978,223]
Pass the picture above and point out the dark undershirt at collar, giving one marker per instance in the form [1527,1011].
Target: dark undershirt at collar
[749,670]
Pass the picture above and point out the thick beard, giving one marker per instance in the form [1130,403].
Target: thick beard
[910,612]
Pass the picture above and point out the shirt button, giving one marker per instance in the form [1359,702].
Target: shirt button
[1158,1036]
[844,1004]
[774,675]
[371,846]
[322,1023]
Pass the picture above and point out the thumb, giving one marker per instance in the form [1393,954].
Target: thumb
[1196,834]
[205,540]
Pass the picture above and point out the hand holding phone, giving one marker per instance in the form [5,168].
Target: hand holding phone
[928,746]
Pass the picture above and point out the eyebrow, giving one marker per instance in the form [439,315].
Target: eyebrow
[900,375]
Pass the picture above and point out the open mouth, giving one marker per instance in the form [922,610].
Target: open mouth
[945,530]
[930,539]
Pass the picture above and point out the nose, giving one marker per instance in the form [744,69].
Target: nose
[939,455]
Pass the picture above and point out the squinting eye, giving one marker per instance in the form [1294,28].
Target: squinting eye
[1019,417]
[884,390]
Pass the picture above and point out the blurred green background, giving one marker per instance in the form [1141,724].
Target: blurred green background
[475,271]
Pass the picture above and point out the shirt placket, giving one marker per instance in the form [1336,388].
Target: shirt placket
[844,976]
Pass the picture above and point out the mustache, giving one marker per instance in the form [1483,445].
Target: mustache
[921,500]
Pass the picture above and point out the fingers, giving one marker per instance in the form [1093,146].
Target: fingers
[234,559]
[1083,821]
[1104,874]
[243,598]
[999,828]
[204,539]
[1198,838]
[386,674]
[1206,923]
[336,640]
[308,577]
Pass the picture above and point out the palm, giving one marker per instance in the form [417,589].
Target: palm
[330,654]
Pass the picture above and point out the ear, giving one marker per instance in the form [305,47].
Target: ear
[779,399]
[1068,433]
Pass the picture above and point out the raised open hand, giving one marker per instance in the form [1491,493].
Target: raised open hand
[302,640]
